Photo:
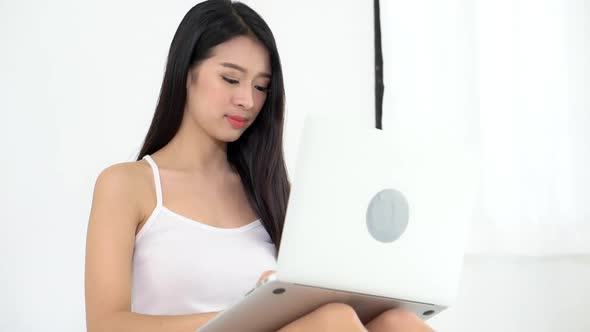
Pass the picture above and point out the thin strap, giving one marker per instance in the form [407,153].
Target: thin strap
[157,182]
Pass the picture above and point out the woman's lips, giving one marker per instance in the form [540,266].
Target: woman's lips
[237,122]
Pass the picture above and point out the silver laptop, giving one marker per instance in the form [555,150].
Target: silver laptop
[372,221]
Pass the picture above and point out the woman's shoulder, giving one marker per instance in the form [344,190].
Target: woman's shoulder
[130,179]
[130,184]
[134,172]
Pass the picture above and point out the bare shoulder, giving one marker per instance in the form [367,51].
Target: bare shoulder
[123,176]
[130,183]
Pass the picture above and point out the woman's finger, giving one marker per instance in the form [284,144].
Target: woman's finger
[265,274]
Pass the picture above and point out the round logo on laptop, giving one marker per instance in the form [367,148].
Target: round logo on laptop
[387,215]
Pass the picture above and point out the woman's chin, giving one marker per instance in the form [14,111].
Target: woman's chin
[230,137]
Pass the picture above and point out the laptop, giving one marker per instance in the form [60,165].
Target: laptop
[372,221]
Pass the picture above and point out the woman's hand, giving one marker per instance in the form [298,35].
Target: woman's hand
[264,275]
[341,317]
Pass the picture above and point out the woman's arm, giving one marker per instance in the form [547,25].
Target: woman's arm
[114,217]
[130,321]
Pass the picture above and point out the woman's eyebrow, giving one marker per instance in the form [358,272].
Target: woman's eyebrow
[242,69]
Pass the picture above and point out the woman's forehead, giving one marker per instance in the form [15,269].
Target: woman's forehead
[243,54]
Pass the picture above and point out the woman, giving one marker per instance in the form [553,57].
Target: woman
[188,228]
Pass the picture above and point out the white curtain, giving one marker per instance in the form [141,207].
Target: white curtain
[504,80]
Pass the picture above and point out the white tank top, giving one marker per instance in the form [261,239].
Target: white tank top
[182,266]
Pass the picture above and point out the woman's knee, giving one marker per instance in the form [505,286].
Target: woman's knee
[329,317]
[397,320]
[337,312]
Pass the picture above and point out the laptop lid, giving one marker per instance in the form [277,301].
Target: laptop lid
[371,214]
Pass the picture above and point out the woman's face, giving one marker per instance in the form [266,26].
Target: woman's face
[226,92]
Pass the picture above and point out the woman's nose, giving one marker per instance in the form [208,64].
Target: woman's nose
[244,98]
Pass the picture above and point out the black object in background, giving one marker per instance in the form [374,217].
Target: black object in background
[379,87]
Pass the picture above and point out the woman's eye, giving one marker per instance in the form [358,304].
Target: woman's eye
[262,88]
[258,87]
[230,81]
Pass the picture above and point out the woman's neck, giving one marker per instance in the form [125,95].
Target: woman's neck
[193,150]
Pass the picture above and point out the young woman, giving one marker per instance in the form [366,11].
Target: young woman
[188,228]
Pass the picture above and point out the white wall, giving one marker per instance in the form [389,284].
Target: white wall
[516,294]
[78,86]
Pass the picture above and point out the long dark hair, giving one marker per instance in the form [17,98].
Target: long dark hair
[258,154]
